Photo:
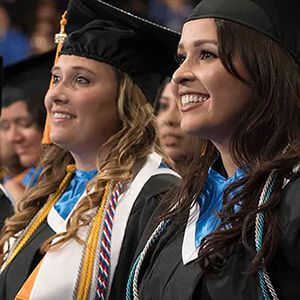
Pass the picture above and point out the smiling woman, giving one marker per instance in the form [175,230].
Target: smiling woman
[6,206]
[178,145]
[83,103]
[103,171]
[212,101]
[234,225]
[22,132]
[22,121]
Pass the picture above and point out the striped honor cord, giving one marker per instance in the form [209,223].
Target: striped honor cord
[132,291]
[105,244]
[263,276]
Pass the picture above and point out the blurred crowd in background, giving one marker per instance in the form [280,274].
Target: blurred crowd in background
[28,26]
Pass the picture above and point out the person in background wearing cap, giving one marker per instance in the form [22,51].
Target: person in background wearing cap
[177,145]
[236,224]
[6,207]
[9,160]
[23,118]
[21,125]
[103,172]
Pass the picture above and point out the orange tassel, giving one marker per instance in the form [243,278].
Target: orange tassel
[59,39]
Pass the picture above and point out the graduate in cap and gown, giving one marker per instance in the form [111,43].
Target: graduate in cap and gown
[6,207]
[102,175]
[23,120]
[233,231]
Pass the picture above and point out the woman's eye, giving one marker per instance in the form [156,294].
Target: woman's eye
[4,126]
[204,54]
[25,123]
[179,58]
[55,79]
[82,80]
[162,106]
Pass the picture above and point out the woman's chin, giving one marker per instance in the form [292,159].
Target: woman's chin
[59,141]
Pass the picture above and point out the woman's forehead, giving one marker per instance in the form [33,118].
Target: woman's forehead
[198,32]
[275,19]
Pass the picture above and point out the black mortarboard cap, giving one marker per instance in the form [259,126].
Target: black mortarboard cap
[11,94]
[277,19]
[28,78]
[140,48]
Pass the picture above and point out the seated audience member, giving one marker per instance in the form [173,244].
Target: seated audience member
[14,45]
[9,160]
[175,143]
[233,229]
[6,207]
[171,13]
[23,116]
[102,176]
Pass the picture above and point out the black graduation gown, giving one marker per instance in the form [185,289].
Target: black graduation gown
[147,202]
[165,277]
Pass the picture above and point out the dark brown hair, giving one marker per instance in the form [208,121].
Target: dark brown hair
[270,124]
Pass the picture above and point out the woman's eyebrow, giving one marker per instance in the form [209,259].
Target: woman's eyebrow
[75,68]
[199,42]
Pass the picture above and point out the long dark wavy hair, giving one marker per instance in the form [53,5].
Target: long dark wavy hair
[270,125]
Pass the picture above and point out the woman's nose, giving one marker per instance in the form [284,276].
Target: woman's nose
[14,134]
[172,122]
[183,74]
[172,116]
[56,94]
[174,119]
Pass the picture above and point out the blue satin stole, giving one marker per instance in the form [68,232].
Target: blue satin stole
[73,192]
[31,177]
[210,202]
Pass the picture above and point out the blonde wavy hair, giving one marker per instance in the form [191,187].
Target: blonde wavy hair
[129,148]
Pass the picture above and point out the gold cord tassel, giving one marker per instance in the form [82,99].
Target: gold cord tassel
[41,215]
[59,39]
[89,257]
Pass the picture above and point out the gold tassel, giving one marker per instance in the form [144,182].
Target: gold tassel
[41,215]
[59,39]
[89,257]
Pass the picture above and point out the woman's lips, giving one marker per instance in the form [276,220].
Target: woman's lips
[170,140]
[21,151]
[192,101]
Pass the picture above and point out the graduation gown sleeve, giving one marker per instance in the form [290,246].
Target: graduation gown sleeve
[285,269]
[143,215]
[14,276]
[165,276]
